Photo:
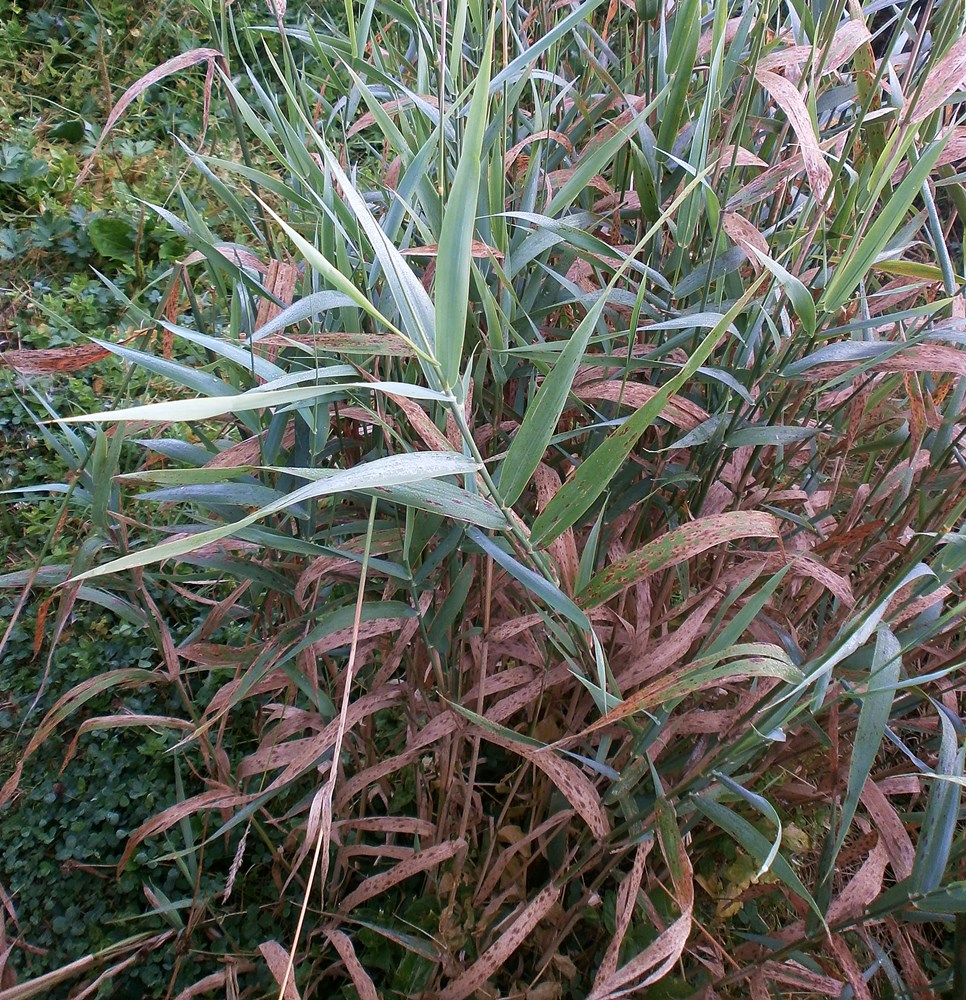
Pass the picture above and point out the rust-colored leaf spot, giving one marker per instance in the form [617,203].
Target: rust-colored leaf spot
[676,547]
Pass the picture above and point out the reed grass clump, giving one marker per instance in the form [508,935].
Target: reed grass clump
[564,413]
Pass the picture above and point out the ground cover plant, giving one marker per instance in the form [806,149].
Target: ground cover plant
[544,497]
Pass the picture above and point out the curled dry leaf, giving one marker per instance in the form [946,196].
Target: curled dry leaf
[215,798]
[232,252]
[515,151]
[122,722]
[390,108]
[900,611]
[558,178]
[382,543]
[207,985]
[166,69]
[757,986]
[432,436]
[525,696]
[113,680]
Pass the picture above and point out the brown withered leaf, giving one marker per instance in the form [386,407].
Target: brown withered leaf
[788,98]
[166,69]
[276,958]
[794,974]
[847,39]
[478,249]
[665,951]
[515,151]
[763,186]
[494,876]
[893,835]
[296,757]
[361,979]
[496,956]
[409,825]
[54,360]
[739,155]
[676,547]
[945,78]
[280,281]
[780,59]
[206,985]
[375,885]
[564,548]
[232,252]
[434,731]
[743,234]
[849,966]
[215,798]
[912,970]
[861,889]
[915,358]
[732,26]
[390,108]
[575,787]
[626,903]
[678,411]
[953,152]
[247,452]
[367,344]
